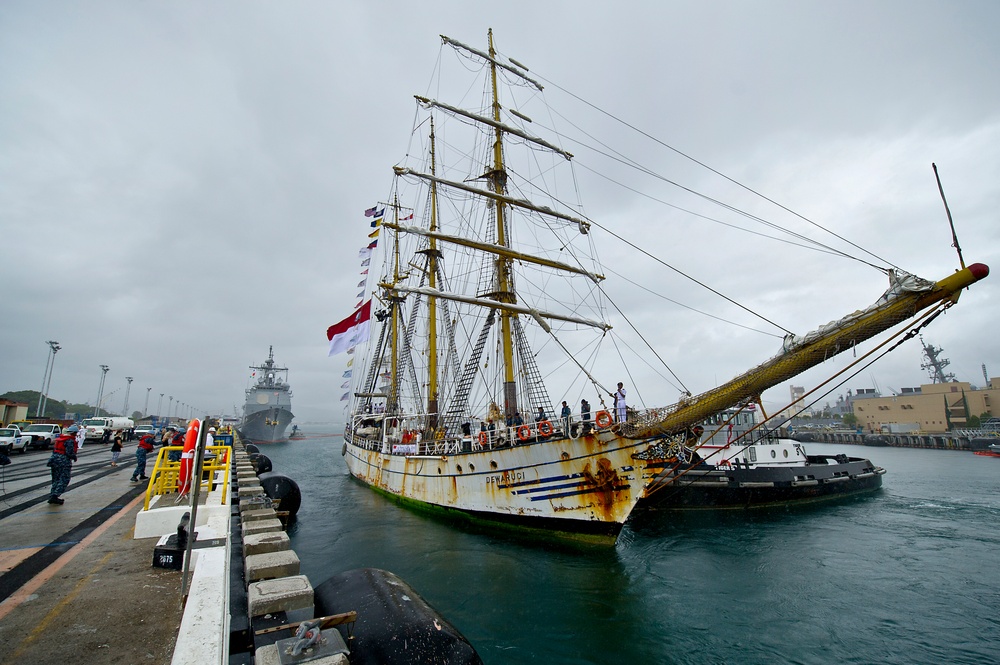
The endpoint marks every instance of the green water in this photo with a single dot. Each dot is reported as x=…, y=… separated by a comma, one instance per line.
x=907, y=575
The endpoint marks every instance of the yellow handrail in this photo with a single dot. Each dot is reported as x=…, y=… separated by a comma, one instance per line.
x=166, y=472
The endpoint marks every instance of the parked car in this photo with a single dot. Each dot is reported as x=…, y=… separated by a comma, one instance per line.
x=142, y=430
x=12, y=440
x=20, y=424
x=42, y=435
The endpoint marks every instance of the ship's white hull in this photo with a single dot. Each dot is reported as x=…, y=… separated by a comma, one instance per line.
x=587, y=485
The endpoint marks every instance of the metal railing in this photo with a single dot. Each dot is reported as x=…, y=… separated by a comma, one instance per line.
x=166, y=472
x=406, y=441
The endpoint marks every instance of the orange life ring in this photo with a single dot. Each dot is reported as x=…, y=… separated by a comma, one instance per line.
x=545, y=428
x=523, y=432
x=187, y=457
x=603, y=419
x=482, y=439
x=723, y=462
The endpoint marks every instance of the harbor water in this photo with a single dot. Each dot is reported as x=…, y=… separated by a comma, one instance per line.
x=906, y=575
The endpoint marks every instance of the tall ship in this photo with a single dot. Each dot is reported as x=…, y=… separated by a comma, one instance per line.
x=268, y=409
x=490, y=300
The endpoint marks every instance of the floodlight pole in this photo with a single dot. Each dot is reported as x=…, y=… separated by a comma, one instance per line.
x=100, y=390
x=128, y=389
x=47, y=377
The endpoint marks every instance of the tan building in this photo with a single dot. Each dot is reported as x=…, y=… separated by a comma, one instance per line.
x=11, y=411
x=934, y=407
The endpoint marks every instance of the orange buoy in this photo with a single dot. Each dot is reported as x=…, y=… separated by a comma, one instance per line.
x=187, y=457
x=545, y=428
x=524, y=432
x=482, y=439
x=603, y=419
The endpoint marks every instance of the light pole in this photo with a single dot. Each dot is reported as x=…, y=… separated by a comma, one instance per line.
x=170, y=407
x=100, y=390
x=47, y=376
x=145, y=408
x=128, y=389
x=158, y=406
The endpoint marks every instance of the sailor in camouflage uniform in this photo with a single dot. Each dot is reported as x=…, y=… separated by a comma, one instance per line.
x=61, y=463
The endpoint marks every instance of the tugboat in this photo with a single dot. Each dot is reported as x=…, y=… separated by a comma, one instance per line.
x=268, y=409
x=491, y=298
x=740, y=464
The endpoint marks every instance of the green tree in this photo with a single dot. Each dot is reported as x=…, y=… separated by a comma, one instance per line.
x=850, y=420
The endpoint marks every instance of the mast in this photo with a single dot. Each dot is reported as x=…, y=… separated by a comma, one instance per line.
x=505, y=291
x=799, y=356
x=432, y=257
x=392, y=405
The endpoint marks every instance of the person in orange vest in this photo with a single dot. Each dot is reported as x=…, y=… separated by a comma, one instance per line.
x=61, y=463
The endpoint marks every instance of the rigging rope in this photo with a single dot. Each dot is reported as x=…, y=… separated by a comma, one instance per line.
x=722, y=175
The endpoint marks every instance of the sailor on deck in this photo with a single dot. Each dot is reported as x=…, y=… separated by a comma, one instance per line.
x=619, y=396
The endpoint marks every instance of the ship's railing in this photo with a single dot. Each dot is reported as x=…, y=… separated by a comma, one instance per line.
x=411, y=441
x=166, y=472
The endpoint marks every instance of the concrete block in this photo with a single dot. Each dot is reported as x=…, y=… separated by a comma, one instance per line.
x=155, y=523
x=259, y=514
x=255, y=503
x=279, y=595
x=270, y=565
x=247, y=492
x=269, y=656
x=261, y=526
x=262, y=543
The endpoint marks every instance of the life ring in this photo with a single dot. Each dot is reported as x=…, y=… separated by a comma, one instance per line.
x=545, y=428
x=603, y=419
x=723, y=462
x=482, y=439
x=523, y=432
x=187, y=457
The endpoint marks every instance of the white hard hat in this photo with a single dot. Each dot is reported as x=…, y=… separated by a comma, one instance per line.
x=211, y=429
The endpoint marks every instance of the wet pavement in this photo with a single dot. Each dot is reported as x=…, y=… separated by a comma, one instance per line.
x=74, y=586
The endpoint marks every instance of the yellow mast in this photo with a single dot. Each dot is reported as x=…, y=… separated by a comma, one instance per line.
x=395, y=299
x=505, y=292
x=432, y=255
x=751, y=384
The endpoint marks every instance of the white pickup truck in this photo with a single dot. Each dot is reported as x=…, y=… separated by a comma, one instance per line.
x=41, y=434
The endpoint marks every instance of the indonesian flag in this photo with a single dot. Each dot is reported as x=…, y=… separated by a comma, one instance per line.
x=352, y=330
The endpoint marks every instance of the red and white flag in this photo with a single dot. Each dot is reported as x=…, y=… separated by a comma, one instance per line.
x=352, y=330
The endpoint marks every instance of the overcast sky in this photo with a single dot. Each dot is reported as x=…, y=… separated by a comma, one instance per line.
x=181, y=183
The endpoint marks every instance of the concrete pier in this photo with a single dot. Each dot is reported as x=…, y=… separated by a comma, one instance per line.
x=74, y=585
x=77, y=581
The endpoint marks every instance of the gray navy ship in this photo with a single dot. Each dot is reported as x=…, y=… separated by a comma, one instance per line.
x=268, y=409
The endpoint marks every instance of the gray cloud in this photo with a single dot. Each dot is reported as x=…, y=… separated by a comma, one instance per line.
x=182, y=185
